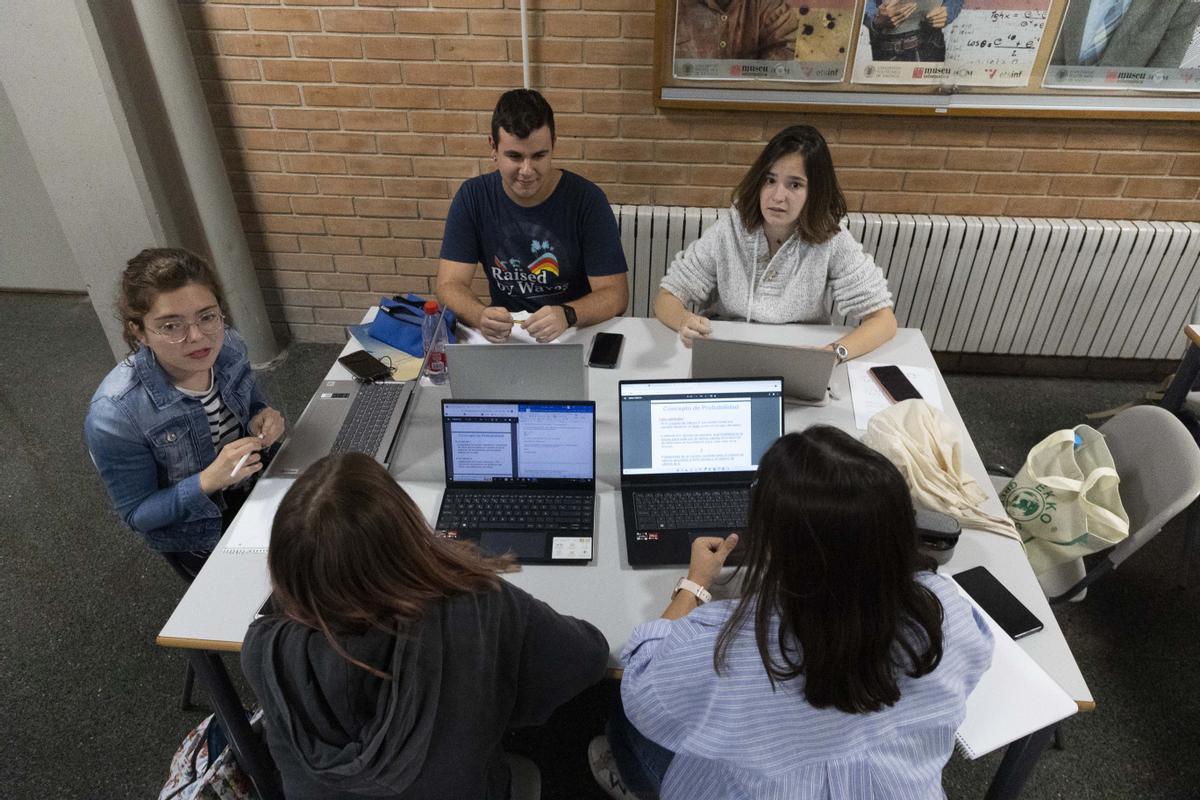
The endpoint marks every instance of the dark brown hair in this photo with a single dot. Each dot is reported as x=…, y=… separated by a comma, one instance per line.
x=830, y=566
x=521, y=112
x=150, y=273
x=350, y=551
x=826, y=205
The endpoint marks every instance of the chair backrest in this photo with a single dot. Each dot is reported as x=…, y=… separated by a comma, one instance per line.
x=1159, y=465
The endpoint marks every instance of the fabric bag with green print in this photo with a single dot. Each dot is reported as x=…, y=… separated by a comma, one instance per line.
x=1066, y=500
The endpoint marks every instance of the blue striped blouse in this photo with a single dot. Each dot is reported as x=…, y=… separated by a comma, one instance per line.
x=736, y=738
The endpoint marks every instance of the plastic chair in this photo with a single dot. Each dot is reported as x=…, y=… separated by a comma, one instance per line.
x=1159, y=465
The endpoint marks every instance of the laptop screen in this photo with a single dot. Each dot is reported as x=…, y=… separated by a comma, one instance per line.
x=519, y=442
x=677, y=427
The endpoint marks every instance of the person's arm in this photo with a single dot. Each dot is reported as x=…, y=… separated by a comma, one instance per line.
x=454, y=292
x=608, y=298
x=126, y=463
x=875, y=329
x=560, y=657
x=708, y=556
x=860, y=290
x=670, y=311
x=777, y=41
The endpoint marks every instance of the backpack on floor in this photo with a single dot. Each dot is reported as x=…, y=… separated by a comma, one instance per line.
x=196, y=776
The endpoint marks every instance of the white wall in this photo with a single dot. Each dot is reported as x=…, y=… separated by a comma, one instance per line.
x=34, y=253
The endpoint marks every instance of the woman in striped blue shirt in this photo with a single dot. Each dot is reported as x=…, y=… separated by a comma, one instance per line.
x=843, y=670
x=169, y=426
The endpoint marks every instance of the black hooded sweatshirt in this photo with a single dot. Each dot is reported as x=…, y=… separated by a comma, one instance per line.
x=472, y=667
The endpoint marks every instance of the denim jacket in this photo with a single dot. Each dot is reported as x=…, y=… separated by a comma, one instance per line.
x=150, y=441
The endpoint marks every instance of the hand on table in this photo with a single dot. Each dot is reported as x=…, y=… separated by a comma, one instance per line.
x=268, y=426
x=708, y=556
x=546, y=324
x=217, y=475
x=693, y=327
x=495, y=323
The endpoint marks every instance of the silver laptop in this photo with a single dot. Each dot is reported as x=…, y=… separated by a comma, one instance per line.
x=805, y=370
x=517, y=371
x=348, y=416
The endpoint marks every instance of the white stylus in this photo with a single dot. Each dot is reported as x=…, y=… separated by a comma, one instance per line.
x=241, y=463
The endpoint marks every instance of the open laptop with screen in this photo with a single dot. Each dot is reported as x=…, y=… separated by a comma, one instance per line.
x=689, y=451
x=515, y=371
x=520, y=477
x=347, y=416
x=805, y=370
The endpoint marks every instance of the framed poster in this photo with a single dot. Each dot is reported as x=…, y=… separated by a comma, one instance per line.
x=1045, y=58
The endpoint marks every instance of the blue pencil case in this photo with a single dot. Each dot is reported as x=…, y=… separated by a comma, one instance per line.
x=398, y=323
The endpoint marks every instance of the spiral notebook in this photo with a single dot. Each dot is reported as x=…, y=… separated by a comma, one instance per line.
x=1014, y=698
x=251, y=528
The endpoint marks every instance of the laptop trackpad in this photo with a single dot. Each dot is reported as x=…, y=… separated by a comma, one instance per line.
x=523, y=544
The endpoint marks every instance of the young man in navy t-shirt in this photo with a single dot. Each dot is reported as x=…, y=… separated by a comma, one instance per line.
x=546, y=237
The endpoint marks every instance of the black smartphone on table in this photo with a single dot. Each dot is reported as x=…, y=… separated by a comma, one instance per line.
x=365, y=367
x=606, y=349
x=1001, y=605
x=894, y=383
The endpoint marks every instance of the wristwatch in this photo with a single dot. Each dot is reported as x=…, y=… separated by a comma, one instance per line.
x=569, y=313
x=701, y=593
x=840, y=352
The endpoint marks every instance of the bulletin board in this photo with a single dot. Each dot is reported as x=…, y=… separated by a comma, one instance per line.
x=1010, y=58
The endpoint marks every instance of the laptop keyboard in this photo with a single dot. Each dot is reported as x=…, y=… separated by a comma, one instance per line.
x=517, y=511
x=367, y=420
x=691, y=509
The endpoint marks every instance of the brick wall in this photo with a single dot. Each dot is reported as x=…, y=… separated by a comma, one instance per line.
x=348, y=125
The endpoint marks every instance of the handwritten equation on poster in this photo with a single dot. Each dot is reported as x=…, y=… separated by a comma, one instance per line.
x=995, y=47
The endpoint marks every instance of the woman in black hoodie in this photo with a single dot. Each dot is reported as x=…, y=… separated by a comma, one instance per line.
x=396, y=661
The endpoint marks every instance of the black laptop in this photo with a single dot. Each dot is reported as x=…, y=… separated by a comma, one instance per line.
x=689, y=451
x=521, y=478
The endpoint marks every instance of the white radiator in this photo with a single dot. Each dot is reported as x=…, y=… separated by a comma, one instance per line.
x=1006, y=285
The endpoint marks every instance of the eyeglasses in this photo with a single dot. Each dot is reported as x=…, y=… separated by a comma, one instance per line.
x=176, y=332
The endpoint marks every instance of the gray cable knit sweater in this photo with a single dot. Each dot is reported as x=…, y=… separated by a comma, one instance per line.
x=794, y=286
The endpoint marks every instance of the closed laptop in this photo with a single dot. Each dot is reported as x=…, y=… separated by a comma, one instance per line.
x=516, y=371
x=805, y=370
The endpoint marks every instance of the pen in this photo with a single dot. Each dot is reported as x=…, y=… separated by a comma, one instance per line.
x=241, y=463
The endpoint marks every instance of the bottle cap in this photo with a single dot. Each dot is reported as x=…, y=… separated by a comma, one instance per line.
x=431, y=307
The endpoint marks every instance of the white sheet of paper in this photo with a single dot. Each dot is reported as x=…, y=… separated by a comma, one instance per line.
x=473, y=336
x=869, y=399
x=252, y=530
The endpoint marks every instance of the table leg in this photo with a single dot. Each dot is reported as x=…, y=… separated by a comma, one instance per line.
x=1185, y=377
x=1018, y=762
x=251, y=752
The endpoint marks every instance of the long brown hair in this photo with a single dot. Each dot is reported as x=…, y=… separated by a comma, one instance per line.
x=350, y=551
x=831, y=567
x=822, y=214
x=150, y=273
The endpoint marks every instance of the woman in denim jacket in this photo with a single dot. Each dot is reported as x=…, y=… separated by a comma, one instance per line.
x=176, y=428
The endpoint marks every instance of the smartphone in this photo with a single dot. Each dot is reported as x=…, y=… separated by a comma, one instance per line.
x=365, y=367
x=894, y=384
x=606, y=348
x=1010, y=614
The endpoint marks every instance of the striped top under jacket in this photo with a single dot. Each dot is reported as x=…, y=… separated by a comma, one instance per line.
x=736, y=738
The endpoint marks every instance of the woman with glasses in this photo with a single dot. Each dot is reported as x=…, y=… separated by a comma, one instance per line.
x=178, y=426
x=842, y=670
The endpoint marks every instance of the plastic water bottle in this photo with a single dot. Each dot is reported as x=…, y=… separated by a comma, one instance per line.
x=434, y=337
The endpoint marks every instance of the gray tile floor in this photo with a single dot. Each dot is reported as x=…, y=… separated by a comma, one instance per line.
x=89, y=704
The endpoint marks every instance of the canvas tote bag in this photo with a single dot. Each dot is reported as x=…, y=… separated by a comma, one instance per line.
x=927, y=449
x=1066, y=503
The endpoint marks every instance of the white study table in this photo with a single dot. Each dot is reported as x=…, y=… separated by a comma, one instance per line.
x=222, y=601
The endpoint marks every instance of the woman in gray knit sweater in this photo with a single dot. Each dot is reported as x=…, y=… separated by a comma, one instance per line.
x=779, y=253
